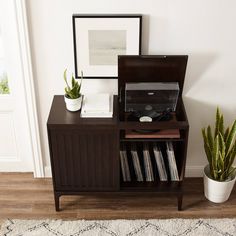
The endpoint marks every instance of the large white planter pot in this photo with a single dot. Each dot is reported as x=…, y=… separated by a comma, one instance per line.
x=73, y=104
x=216, y=191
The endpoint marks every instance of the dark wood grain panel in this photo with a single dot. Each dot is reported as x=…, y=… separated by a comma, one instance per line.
x=86, y=161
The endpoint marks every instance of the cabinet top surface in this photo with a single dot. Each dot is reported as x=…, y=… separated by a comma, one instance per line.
x=59, y=115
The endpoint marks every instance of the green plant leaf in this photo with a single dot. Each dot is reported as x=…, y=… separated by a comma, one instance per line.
x=217, y=123
x=220, y=164
x=64, y=74
x=231, y=172
x=231, y=138
x=208, y=151
x=226, y=134
x=65, y=78
x=215, y=156
x=221, y=125
x=72, y=81
x=209, y=137
x=208, y=154
x=222, y=145
x=216, y=148
x=231, y=157
x=67, y=90
x=228, y=162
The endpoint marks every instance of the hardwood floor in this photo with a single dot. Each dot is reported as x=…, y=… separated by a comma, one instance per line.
x=22, y=196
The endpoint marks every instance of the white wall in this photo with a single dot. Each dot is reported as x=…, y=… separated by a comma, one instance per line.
x=205, y=30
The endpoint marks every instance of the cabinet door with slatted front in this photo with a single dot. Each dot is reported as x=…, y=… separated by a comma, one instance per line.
x=85, y=159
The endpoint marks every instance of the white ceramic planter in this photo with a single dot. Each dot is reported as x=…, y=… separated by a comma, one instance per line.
x=73, y=104
x=216, y=191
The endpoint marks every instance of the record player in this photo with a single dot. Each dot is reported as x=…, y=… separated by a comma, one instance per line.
x=151, y=96
x=150, y=86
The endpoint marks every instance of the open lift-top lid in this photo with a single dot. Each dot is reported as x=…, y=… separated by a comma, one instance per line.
x=151, y=68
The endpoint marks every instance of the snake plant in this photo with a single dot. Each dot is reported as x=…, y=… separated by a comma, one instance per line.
x=72, y=91
x=220, y=148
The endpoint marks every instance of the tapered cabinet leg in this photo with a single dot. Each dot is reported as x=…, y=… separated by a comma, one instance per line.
x=57, y=201
x=180, y=201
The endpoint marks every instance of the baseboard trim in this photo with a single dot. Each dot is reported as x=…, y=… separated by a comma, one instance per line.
x=194, y=171
x=191, y=171
x=48, y=172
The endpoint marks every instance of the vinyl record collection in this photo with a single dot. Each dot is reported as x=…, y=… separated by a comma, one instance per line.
x=148, y=161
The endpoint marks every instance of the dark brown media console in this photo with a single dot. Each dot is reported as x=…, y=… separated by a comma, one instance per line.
x=84, y=152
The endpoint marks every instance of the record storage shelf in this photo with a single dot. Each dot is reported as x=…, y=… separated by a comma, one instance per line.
x=85, y=157
x=167, y=187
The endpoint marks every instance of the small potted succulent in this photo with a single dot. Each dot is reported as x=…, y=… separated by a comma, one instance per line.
x=73, y=97
x=220, y=149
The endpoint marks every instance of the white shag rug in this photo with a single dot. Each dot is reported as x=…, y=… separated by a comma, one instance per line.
x=170, y=227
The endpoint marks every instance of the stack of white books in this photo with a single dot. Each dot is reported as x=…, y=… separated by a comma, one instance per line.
x=97, y=106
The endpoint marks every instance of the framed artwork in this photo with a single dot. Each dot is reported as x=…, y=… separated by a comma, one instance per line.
x=99, y=39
